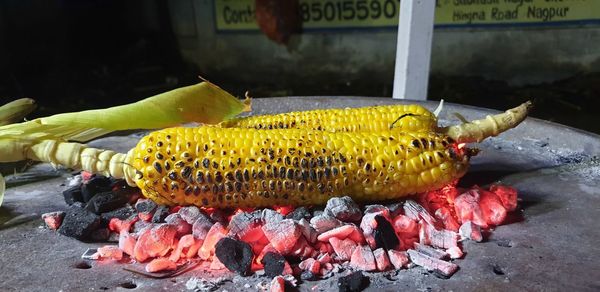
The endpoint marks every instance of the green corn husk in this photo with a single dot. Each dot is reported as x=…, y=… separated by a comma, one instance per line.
x=203, y=103
x=15, y=111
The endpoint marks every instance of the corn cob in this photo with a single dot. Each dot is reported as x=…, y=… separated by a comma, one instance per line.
x=408, y=118
x=217, y=167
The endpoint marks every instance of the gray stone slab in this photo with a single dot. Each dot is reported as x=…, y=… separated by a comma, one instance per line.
x=551, y=245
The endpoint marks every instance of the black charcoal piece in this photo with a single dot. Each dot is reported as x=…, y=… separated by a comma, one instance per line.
x=353, y=283
x=122, y=213
x=73, y=195
x=219, y=216
x=106, y=202
x=235, y=255
x=100, y=235
x=298, y=214
x=160, y=214
x=274, y=264
x=308, y=276
x=97, y=184
x=145, y=206
x=395, y=209
x=384, y=234
x=79, y=223
x=344, y=209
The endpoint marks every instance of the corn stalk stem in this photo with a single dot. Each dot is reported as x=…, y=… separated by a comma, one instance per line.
x=80, y=156
x=490, y=126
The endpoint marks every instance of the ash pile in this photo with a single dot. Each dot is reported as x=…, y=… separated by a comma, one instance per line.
x=286, y=244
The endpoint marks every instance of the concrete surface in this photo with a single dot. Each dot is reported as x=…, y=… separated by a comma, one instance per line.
x=552, y=244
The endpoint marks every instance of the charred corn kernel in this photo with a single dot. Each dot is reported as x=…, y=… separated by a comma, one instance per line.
x=233, y=167
x=374, y=118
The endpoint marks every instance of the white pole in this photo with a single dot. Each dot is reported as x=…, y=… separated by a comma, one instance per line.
x=413, y=52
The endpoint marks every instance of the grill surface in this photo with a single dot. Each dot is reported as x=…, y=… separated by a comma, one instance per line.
x=553, y=244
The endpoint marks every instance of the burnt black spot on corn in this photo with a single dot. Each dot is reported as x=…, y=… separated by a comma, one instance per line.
x=326, y=164
x=375, y=118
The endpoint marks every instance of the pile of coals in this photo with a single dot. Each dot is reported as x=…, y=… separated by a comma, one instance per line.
x=287, y=243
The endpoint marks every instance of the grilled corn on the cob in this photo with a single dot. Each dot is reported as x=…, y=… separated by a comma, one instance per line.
x=209, y=166
x=408, y=118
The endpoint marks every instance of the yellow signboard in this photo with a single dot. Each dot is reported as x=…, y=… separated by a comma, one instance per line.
x=238, y=15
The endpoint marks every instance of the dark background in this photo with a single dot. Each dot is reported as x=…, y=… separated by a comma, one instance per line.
x=72, y=55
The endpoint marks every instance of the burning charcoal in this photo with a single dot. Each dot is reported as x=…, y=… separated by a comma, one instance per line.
x=432, y=264
x=437, y=238
x=310, y=265
x=467, y=208
x=100, y=235
x=343, y=248
x=216, y=264
x=507, y=195
x=308, y=231
x=382, y=261
x=245, y=226
x=308, y=276
x=140, y=225
x=160, y=214
x=398, y=259
x=201, y=227
x=159, y=265
x=181, y=225
x=53, y=219
x=122, y=213
x=326, y=269
x=339, y=232
x=443, y=238
x=189, y=214
x=110, y=252
x=471, y=231
x=277, y=284
x=395, y=209
x=384, y=234
x=444, y=215
x=216, y=232
x=274, y=264
x=298, y=214
x=145, y=207
x=127, y=242
x=363, y=259
x=270, y=216
x=416, y=212
x=106, y=202
x=492, y=208
x=283, y=234
x=432, y=252
x=95, y=185
x=405, y=225
x=73, y=194
x=344, y=209
x=455, y=252
x=218, y=215
x=75, y=180
x=354, y=282
x=235, y=255
x=376, y=209
x=155, y=242
x=324, y=223
x=324, y=258
x=79, y=223
x=187, y=247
